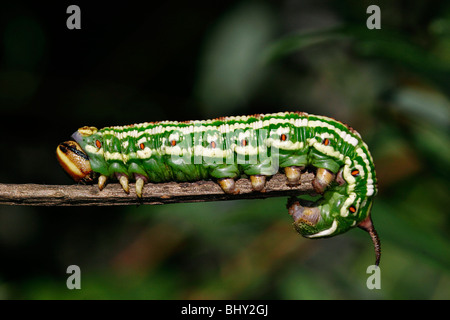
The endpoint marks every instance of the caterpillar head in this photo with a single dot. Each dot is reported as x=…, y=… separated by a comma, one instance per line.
x=74, y=161
x=74, y=158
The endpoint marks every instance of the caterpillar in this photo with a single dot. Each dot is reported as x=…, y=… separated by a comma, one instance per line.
x=226, y=148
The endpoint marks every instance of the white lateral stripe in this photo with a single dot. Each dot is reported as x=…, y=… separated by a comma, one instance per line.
x=326, y=232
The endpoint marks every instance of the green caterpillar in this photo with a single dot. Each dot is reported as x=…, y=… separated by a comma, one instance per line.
x=257, y=146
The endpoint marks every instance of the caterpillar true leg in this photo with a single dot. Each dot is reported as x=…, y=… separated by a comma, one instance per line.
x=140, y=182
x=102, y=179
x=123, y=180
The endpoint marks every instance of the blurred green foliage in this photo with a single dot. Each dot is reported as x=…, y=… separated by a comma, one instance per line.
x=176, y=62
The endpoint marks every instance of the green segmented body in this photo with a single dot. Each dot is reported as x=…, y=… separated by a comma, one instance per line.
x=252, y=145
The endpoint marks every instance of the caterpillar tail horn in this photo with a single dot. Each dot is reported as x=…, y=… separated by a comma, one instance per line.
x=367, y=225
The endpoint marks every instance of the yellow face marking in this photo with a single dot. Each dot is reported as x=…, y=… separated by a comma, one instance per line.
x=78, y=167
x=68, y=165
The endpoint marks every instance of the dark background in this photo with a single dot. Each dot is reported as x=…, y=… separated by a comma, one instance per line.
x=184, y=60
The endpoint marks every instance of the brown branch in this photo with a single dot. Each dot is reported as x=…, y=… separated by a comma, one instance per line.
x=154, y=193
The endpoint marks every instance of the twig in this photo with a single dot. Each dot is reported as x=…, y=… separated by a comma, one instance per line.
x=154, y=193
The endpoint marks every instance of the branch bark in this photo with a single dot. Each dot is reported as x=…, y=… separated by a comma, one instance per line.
x=154, y=193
